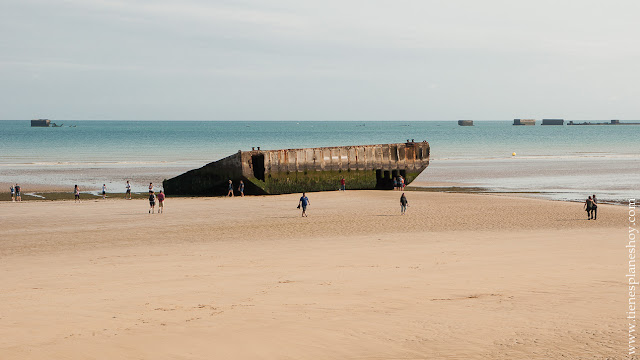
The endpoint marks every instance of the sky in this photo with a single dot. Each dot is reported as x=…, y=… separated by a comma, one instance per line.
x=319, y=60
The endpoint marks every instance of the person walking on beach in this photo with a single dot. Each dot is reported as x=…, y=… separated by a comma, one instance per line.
x=230, y=192
x=150, y=188
x=18, y=190
x=13, y=194
x=104, y=191
x=160, y=202
x=588, y=206
x=304, y=202
x=152, y=202
x=395, y=183
x=594, y=207
x=76, y=194
x=402, y=183
x=128, y=193
x=343, y=185
x=403, y=204
x=241, y=188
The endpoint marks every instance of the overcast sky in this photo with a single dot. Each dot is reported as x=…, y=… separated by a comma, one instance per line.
x=321, y=60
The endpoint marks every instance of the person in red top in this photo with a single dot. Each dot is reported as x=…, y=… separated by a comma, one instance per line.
x=343, y=186
x=160, y=202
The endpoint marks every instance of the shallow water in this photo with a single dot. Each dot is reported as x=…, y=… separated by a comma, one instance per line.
x=561, y=162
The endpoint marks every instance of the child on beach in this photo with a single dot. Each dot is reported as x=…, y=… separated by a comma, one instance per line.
x=160, y=202
x=13, y=194
x=104, y=191
x=127, y=195
x=76, y=194
x=152, y=202
x=403, y=204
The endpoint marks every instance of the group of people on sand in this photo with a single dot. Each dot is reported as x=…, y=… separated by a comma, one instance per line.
x=240, y=188
x=398, y=183
x=16, y=194
x=591, y=207
x=153, y=198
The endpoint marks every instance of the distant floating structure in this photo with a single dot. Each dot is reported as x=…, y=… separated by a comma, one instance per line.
x=312, y=169
x=613, y=122
x=465, y=122
x=524, y=121
x=552, y=121
x=40, y=123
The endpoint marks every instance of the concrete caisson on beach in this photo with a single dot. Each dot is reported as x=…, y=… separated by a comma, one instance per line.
x=310, y=169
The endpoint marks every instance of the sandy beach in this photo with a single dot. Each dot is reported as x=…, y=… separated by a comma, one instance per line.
x=461, y=276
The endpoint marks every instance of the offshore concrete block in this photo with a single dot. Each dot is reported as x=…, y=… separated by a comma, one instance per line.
x=524, y=121
x=552, y=121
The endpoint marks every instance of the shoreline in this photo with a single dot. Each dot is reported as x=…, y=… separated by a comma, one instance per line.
x=52, y=195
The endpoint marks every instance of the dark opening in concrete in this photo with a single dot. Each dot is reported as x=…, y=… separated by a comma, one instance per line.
x=257, y=163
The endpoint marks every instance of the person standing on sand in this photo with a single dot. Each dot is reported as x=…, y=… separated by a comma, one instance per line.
x=241, y=188
x=594, y=207
x=160, y=202
x=13, y=194
x=230, y=192
x=304, y=201
x=17, y=189
x=128, y=193
x=152, y=202
x=150, y=188
x=402, y=185
x=343, y=185
x=104, y=191
x=76, y=194
x=403, y=204
x=395, y=183
x=588, y=206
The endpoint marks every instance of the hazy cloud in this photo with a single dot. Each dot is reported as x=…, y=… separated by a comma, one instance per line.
x=329, y=60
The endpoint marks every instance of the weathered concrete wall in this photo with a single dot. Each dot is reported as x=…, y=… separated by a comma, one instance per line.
x=552, y=121
x=524, y=121
x=310, y=169
x=465, y=122
x=40, y=122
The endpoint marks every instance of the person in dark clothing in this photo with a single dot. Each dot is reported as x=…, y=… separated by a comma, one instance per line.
x=304, y=201
x=588, y=206
x=594, y=207
x=403, y=204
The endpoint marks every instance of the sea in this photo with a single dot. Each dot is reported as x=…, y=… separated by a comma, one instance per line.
x=553, y=162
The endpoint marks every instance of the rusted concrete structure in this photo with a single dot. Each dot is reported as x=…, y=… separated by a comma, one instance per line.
x=312, y=169
x=40, y=123
x=552, y=121
x=524, y=121
x=465, y=122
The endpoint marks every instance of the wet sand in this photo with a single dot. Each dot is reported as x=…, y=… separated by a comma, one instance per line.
x=460, y=276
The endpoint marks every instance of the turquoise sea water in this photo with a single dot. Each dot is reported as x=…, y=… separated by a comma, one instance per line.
x=557, y=160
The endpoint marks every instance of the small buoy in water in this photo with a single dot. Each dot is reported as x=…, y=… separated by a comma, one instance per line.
x=513, y=154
